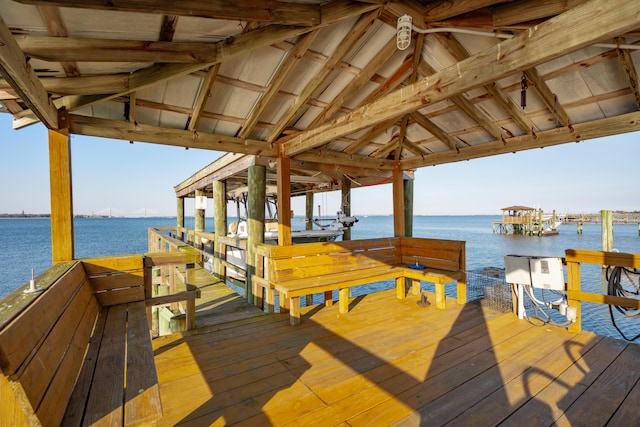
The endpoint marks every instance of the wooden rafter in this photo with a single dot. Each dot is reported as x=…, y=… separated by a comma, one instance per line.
x=417, y=59
x=354, y=35
x=372, y=134
x=266, y=36
x=558, y=36
x=630, y=69
x=434, y=130
x=202, y=97
x=460, y=53
x=270, y=11
x=548, y=97
x=15, y=68
x=56, y=28
x=284, y=72
x=357, y=83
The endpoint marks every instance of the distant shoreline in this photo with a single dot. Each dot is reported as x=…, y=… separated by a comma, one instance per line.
x=24, y=215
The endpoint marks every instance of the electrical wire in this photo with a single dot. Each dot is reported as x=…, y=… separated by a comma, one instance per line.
x=541, y=307
x=616, y=288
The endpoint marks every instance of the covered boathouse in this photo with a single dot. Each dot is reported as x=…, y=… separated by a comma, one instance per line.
x=349, y=91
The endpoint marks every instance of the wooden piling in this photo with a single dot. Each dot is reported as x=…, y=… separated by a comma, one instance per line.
x=408, y=207
x=607, y=230
x=309, y=211
x=220, y=225
x=346, y=204
x=179, y=217
x=198, y=219
x=255, y=221
x=398, y=202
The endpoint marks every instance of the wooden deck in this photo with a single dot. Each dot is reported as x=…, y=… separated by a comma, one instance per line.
x=392, y=362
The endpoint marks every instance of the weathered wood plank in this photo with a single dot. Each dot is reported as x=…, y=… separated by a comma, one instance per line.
x=142, y=395
x=32, y=326
x=104, y=405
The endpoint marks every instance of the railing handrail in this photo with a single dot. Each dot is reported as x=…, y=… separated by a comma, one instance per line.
x=575, y=295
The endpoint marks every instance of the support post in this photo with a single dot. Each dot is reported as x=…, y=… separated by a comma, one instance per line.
x=179, y=217
x=220, y=226
x=62, y=245
x=408, y=208
x=398, y=202
x=284, y=201
x=607, y=231
x=309, y=211
x=198, y=225
x=255, y=221
x=190, y=309
x=345, y=184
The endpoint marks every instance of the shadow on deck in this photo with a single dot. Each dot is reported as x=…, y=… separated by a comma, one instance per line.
x=392, y=362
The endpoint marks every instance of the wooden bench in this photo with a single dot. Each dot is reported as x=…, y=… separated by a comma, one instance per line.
x=302, y=270
x=79, y=353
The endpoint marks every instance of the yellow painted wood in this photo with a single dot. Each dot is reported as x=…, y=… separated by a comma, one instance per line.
x=62, y=245
x=343, y=302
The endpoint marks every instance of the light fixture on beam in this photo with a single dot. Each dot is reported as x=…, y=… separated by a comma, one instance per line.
x=403, y=32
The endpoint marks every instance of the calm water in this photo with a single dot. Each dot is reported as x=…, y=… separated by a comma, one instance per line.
x=26, y=244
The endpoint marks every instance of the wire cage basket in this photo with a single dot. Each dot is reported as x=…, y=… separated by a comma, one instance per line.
x=488, y=286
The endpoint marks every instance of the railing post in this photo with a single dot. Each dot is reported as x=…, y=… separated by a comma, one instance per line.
x=573, y=285
x=190, y=278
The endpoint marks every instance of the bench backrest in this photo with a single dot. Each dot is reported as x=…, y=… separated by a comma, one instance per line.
x=448, y=255
x=317, y=259
x=42, y=349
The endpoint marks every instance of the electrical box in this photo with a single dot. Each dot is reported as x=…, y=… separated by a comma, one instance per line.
x=517, y=269
x=547, y=273
x=538, y=272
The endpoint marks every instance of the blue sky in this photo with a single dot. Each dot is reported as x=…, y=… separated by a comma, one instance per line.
x=130, y=179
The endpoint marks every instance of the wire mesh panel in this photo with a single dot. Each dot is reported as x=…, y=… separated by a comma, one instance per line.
x=489, y=287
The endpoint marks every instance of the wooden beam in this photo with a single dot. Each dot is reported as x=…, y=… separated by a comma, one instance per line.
x=269, y=11
x=60, y=49
x=529, y=10
x=105, y=128
x=62, y=241
x=15, y=68
x=443, y=9
x=556, y=37
x=626, y=61
x=577, y=132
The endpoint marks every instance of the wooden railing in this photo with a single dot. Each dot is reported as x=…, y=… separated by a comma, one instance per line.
x=575, y=257
x=204, y=242
x=169, y=254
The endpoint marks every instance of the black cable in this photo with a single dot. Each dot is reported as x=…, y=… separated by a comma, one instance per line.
x=615, y=288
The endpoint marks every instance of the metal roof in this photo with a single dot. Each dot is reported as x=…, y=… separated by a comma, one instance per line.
x=323, y=82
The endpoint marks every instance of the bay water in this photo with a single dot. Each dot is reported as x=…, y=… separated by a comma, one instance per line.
x=25, y=244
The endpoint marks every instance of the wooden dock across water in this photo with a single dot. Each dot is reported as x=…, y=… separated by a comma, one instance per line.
x=392, y=362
